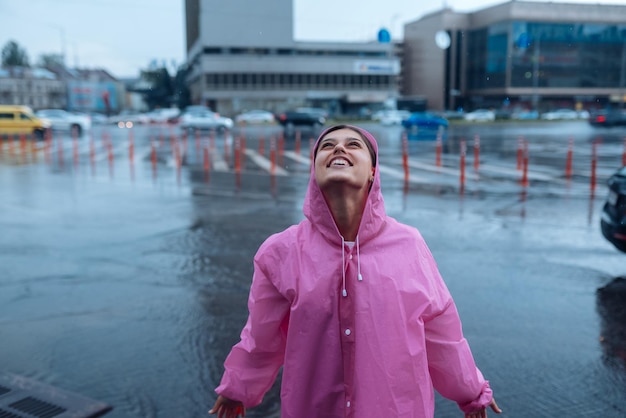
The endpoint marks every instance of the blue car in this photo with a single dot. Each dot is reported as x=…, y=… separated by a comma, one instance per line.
x=424, y=125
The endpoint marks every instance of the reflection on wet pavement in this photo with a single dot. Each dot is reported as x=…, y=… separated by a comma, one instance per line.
x=128, y=283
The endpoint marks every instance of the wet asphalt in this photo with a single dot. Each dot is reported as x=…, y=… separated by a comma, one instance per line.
x=124, y=269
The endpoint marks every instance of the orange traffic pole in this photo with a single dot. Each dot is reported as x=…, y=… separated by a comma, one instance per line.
x=33, y=148
x=23, y=149
x=311, y=149
x=520, y=152
x=197, y=138
x=405, y=157
x=60, y=152
x=297, y=144
x=570, y=156
x=525, y=165
x=462, y=166
x=272, y=155
x=226, y=150
x=261, y=146
x=281, y=146
x=207, y=166
x=131, y=146
x=109, y=146
x=237, y=155
x=75, y=149
x=46, y=146
x=177, y=158
x=476, y=153
x=243, y=151
x=92, y=155
x=438, y=147
x=594, y=161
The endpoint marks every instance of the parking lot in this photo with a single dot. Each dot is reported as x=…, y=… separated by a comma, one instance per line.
x=126, y=256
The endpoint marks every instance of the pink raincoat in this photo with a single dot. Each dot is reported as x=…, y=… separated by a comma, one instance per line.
x=361, y=331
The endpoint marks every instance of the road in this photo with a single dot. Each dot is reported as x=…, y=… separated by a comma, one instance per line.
x=126, y=257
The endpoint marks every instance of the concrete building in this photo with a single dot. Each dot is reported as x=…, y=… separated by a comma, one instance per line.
x=37, y=88
x=519, y=54
x=242, y=55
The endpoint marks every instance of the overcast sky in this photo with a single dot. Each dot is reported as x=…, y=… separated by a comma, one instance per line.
x=124, y=36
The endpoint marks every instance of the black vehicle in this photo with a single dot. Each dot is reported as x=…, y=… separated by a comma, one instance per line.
x=611, y=117
x=613, y=219
x=292, y=118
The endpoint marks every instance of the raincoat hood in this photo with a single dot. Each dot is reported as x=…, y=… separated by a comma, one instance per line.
x=318, y=213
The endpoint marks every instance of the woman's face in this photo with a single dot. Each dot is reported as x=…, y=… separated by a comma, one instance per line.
x=343, y=159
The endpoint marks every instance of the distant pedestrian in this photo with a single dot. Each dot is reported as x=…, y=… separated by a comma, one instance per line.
x=351, y=305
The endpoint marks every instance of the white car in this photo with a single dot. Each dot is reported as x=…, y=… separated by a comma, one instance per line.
x=65, y=121
x=205, y=120
x=480, y=115
x=560, y=114
x=255, y=116
x=393, y=117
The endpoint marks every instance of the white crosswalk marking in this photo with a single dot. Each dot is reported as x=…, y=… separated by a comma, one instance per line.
x=297, y=157
x=264, y=163
x=217, y=162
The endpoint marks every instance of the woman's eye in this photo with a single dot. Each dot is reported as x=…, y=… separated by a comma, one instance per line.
x=326, y=145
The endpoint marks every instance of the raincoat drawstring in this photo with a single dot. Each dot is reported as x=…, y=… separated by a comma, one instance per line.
x=344, y=292
x=358, y=260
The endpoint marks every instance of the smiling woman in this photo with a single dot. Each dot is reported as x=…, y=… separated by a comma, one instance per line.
x=346, y=299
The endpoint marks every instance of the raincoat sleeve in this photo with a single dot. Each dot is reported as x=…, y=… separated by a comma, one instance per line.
x=253, y=364
x=451, y=364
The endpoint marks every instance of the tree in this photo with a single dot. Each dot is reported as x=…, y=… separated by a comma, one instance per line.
x=51, y=61
x=14, y=55
x=161, y=90
x=182, y=95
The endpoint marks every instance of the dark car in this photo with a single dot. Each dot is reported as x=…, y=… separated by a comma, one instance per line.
x=424, y=125
x=293, y=118
x=613, y=218
x=612, y=117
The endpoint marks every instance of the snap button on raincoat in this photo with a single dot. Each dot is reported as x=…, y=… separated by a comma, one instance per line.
x=364, y=330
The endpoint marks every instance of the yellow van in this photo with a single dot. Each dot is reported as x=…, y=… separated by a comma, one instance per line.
x=21, y=120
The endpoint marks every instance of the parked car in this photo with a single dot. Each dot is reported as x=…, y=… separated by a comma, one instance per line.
x=205, y=120
x=164, y=115
x=65, y=121
x=424, y=120
x=391, y=117
x=525, y=115
x=129, y=118
x=613, y=217
x=255, y=116
x=560, y=114
x=318, y=111
x=293, y=118
x=17, y=120
x=481, y=115
x=608, y=118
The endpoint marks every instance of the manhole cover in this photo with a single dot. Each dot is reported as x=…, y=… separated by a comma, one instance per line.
x=21, y=397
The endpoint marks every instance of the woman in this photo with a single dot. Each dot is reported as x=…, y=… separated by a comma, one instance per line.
x=351, y=304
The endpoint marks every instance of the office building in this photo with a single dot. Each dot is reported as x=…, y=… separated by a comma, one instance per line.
x=242, y=55
x=519, y=54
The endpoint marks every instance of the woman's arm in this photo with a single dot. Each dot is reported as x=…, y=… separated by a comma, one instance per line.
x=253, y=363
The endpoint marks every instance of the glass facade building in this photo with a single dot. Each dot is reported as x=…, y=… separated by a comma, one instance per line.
x=535, y=55
x=546, y=55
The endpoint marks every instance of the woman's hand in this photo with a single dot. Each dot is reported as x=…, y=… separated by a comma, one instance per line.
x=482, y=413
x=227, y=408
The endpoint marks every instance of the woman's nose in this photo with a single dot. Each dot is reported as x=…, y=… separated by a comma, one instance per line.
x=339, y=146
